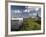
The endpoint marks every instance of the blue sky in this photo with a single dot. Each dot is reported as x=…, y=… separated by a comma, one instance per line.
x=25, y=11
x=17, y=7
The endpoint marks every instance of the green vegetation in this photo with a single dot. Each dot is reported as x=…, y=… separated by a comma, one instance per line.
x=30, y=24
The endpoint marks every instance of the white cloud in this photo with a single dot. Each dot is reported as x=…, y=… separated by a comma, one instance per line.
x=31, y=9
x=34, y=13
x=16, y=11
x=28, y=9
x=36, y=9
x=25, y=10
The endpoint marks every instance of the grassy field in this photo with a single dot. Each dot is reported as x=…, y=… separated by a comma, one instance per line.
x=31, y=24
x=28, y=25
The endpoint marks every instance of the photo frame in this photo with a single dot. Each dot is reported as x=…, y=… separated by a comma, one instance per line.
x=26, y=18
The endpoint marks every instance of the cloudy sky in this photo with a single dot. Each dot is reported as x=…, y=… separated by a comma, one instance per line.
x=25, y=11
